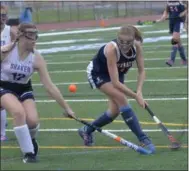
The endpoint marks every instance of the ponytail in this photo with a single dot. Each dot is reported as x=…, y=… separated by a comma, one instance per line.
x=138, y=34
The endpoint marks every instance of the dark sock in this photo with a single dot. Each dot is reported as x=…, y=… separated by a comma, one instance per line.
x=132, y=121
x=182, y=53
x=174, y=52
x=103, y=120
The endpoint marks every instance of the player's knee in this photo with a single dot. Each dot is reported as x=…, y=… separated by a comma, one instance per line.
x=19, y=116
x=174, y=41
x=114, y=112
x=32, y=124
x=120, y=99
x=32, y=120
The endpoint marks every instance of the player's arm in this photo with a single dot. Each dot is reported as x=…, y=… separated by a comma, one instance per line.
x=41, y=66
x=164, y=16
x=184, y=13
x=140, y=64
x=13, y=34
x=5, y=49
x=111, y=56
x=3, y=55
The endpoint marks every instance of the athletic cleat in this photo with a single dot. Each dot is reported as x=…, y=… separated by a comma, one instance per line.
x=184, y=62
x=3, y=138
x=170, y=62
x=29, y=158
x=146, y=143
x=87, y=138
x=35, y=146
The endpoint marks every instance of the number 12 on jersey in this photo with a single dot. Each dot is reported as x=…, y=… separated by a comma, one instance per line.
x=17, y=76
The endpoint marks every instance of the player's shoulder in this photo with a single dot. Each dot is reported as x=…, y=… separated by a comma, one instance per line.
x=7, y=27
x=38, y=56
x=137, y=43
x=110, y=47
x=37, y=53
x=112, y=44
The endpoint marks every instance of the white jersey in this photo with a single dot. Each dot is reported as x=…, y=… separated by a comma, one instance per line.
x=14, y=70
x=6, y=35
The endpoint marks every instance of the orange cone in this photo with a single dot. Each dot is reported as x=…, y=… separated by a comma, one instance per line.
x=103, y=23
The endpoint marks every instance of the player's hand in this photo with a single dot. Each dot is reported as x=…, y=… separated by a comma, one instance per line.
x=69, y=113
x=140, y=100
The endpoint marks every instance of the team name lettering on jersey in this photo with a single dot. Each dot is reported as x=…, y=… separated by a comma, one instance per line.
x=15, y=70
x=22, y=68
x=124, y=67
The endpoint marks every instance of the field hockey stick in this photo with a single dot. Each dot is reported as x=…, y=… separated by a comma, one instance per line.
x=168, y=18
x=174, y=143
x=149, y=22
x=115, y=137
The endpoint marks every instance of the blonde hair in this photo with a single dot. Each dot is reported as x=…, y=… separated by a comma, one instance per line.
x=22, y=29
x=130, y=30
x=25, y=27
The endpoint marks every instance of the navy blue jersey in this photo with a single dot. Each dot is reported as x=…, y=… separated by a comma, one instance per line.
x=174, y=8
x=124, y=62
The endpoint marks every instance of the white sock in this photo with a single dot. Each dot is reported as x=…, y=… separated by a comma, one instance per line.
x=24, y=139
x=3, y=122
x=34, y=131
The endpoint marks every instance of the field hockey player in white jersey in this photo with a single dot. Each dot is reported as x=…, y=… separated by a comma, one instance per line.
x=18, y=62
x=7, y=35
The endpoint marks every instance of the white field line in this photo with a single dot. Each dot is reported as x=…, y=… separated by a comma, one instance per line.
x=110, y=130
x=158, y=45
x=128, y=81
x=92, y=54
x=152, y=32
x=77, y=71
x=104, y=100
x=61, y=63
x=70, y=55
x=82, y=62
x=83, y=47
x=99, y=30
x=67, y=41
x=84, y=31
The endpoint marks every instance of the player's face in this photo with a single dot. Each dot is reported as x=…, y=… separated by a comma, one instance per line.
x=30, y=39
x=125, y=43
x=3, y=17
x=31, y=36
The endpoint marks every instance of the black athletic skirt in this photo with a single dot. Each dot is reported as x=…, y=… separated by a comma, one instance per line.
x=21, y=91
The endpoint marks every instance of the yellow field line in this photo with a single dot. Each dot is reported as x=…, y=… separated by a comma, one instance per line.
x=82, y=147
x=115, y=121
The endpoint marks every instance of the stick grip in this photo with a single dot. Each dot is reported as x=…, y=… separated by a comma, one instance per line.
x=149, y=110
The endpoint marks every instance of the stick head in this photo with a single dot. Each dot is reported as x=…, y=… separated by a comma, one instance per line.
x=175, y=146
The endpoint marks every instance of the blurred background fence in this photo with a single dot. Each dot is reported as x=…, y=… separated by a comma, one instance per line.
x=64, y=11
